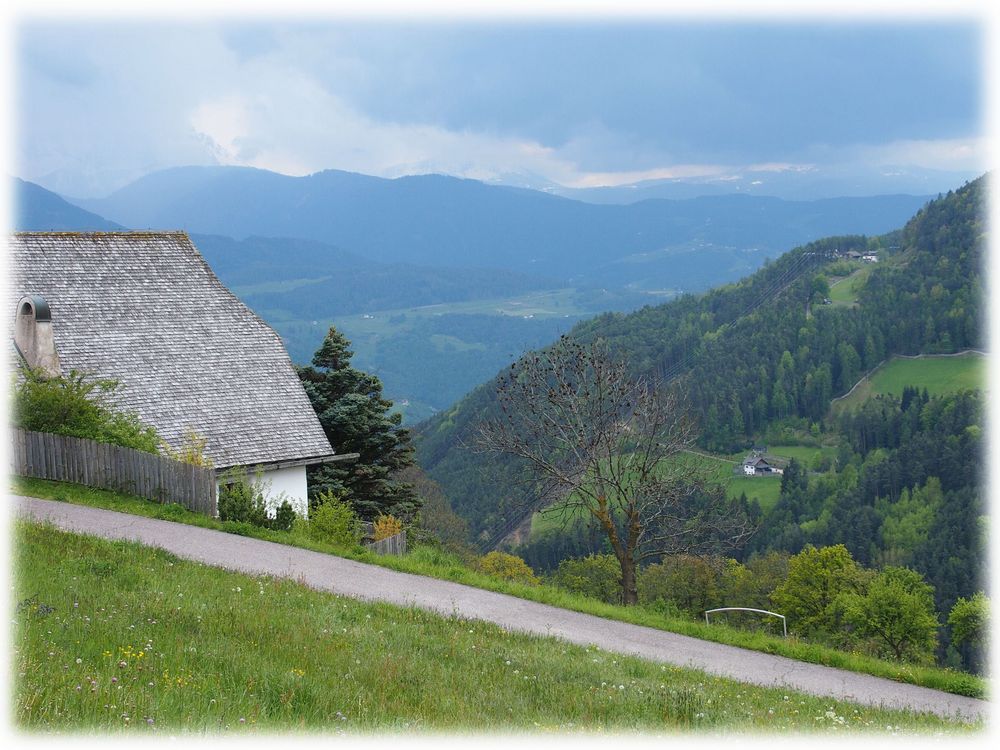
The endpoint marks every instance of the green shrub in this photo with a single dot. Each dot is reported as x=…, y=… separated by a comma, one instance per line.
x=506, y=567
x=667, y=609
x=812, y=595
x=897, y=614
x=690, y=582
x=77, y=405
x=284, y=517
x=969, y=621
x=241, y=499
x=597, y=576
x=334, y=521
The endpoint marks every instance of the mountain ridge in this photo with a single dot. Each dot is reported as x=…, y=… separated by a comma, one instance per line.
x=442, y=220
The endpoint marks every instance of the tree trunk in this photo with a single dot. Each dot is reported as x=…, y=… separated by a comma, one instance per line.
x=630, y=592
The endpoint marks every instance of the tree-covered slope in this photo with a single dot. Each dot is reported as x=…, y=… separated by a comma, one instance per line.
x=766, y=350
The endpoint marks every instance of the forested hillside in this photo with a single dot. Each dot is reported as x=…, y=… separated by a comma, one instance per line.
x=760, y=361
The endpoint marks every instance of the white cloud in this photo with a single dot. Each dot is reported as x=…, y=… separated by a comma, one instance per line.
x=957, y=154
x=185, y=95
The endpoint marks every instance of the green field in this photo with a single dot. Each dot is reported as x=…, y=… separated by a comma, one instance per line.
x=804, y=454
x=845, y=291
x=118, y=638
x=765, y=489
x=938, y=374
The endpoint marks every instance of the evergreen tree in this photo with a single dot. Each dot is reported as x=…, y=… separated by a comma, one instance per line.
x=356, y=419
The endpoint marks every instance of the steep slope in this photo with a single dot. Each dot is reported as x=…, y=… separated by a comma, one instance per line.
x=765, y=350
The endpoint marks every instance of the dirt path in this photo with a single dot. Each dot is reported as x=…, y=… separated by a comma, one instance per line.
x=350, y=578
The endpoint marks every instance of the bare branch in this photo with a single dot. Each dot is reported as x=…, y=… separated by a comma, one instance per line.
x=595, y=439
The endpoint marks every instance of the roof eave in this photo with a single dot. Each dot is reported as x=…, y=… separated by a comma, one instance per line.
x=291, y=463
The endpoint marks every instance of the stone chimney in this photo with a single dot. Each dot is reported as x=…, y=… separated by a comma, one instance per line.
x=33, y=335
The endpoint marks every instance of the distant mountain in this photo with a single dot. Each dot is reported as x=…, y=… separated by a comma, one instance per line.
x=257, y=260
x=445, y=221
x=790, y=184
x=37, y=209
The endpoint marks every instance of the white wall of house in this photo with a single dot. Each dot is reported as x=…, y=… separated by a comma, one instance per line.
x=290, y=481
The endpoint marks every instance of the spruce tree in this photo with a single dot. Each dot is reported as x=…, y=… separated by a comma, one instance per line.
x=357, y=419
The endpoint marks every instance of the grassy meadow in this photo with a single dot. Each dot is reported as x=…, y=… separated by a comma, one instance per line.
x=118, y=638
x=765, y=489
x=938, y=374
x=437, y=563
x=844, y=291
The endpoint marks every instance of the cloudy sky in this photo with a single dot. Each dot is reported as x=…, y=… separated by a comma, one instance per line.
x=575, y=102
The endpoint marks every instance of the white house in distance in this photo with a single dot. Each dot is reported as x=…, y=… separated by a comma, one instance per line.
x=756, y=465
x=145, y=309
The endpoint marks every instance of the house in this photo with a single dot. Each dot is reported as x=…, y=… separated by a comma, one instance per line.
x=756, y=465
x=852, y=255
x=869, y=258
x=145, y=309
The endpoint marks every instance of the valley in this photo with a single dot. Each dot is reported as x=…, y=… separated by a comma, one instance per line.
x=758, y=357
x=503, y=272
x=590, y=372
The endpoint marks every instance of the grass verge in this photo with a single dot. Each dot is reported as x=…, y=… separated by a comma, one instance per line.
x=438, y=564
x=116, y=637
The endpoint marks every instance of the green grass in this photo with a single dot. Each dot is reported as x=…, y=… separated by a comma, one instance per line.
x=765, y=489
x=845, y=291
x=938, y=374
x=118, y=638
x=804, y=454
x=438, y=564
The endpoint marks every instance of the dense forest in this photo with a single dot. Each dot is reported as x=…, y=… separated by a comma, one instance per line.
x=764, y=358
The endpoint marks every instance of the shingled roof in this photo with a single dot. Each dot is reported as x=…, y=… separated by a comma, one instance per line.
x=145, y=308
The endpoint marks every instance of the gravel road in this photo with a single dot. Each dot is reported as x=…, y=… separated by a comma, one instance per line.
x=350, y=578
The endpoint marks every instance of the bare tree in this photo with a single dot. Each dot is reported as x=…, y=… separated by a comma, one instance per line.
x=597, y=440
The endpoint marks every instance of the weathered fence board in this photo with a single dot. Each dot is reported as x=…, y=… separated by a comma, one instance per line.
x=111, y=467
x=393, y=545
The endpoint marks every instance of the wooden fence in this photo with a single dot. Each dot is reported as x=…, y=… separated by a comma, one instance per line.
x=67, y=459
x=393, y=545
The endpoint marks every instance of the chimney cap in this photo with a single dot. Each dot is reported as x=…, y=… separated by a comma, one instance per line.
x=37, y=307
